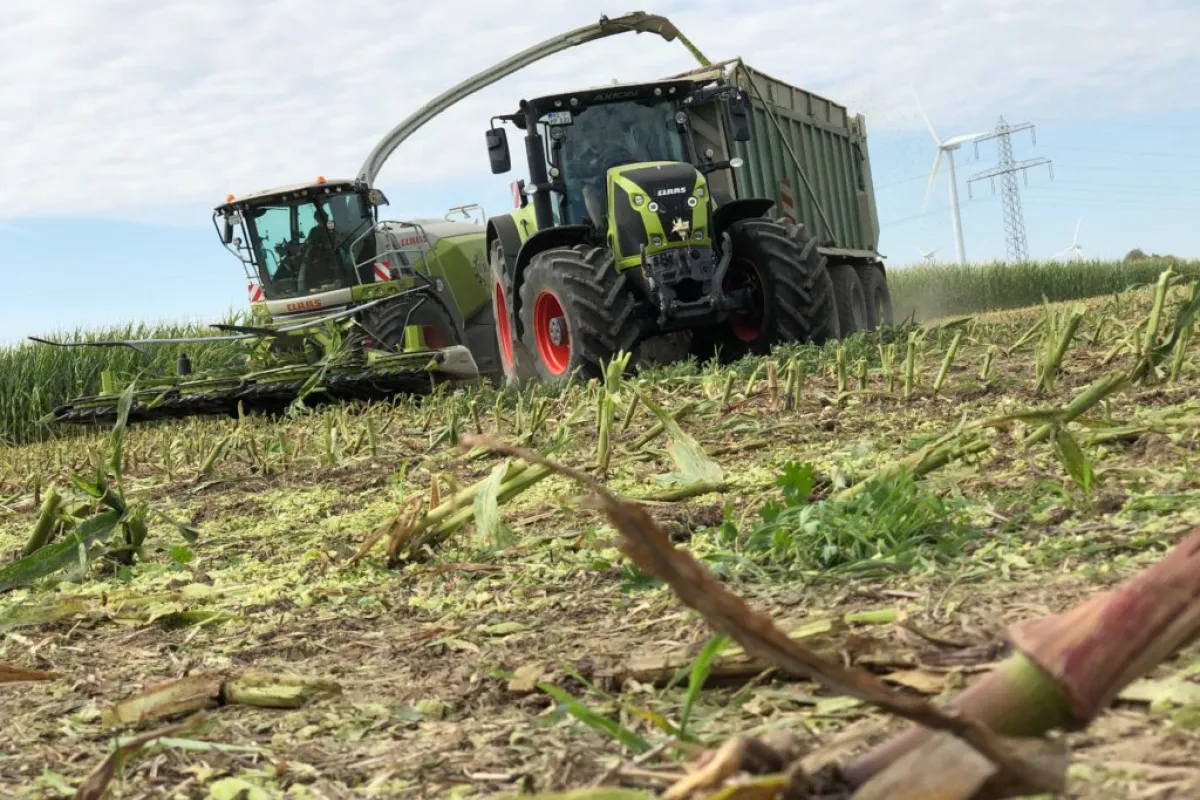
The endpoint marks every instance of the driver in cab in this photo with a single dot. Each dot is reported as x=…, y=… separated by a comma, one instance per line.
x=606, y=145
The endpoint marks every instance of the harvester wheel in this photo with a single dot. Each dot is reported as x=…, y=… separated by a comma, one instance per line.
x=879, y=298
x=792, y=295
x=388, y=322
x=515, y=359
x=851, y=299
x=577, y=311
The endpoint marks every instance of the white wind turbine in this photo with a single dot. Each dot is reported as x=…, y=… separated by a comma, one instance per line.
x=927, y=257
x=947, y=147
x=1074, y=252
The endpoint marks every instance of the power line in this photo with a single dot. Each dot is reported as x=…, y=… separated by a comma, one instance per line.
x=927, y=213
x=1015, y=241
x=1113, y=152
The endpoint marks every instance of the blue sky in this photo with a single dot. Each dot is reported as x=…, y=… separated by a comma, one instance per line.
x=116, y=149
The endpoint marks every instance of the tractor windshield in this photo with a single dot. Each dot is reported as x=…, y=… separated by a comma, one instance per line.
x=310, y=245
x=607, y=135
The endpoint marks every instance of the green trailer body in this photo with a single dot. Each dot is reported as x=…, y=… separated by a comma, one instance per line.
x=807, y=153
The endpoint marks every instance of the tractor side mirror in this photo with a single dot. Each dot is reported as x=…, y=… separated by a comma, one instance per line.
x=739, y=117
x=227, y=236
x=497, y=145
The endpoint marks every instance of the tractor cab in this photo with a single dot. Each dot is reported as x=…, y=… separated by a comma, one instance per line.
x=305, y=239
x=574, y=139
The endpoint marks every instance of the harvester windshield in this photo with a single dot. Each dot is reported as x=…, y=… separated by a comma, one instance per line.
x=306, y=245
x=600, y=134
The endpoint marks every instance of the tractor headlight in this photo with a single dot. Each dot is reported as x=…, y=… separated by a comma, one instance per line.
x=691, y=201
x=653, y=206
x=656, y=240
x=699, y=191
x=698, y=234
x=638, y=199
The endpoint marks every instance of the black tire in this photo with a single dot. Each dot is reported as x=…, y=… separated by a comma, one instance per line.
x=878, y=296
x=850, y=298
x=386, y=323
x=595, y=306
x=826, y=325
x=792, y=290
x=516, y=362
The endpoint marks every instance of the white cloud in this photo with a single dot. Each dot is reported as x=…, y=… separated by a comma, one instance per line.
x=120, y=107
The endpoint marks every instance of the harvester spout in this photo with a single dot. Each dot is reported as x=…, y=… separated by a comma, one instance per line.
x=636, y=21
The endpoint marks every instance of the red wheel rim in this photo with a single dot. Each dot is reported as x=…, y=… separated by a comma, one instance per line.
x=746, y=327
x=503, y=331
x=549, y=321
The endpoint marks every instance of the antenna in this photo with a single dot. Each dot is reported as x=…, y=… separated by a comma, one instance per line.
x=1006, y=171
x=947, y=147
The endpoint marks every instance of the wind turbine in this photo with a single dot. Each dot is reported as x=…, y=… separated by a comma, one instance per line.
x=1075, y=251
x=928, y=257
x=947, y=147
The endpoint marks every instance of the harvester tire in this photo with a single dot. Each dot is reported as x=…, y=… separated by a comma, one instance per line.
x=851, y=299
x=577, y=312
x=515, y=359
x=879, y=297
x=792, y=291
x=388, y=321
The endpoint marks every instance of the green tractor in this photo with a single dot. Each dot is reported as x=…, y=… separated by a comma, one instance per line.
x=628, y=237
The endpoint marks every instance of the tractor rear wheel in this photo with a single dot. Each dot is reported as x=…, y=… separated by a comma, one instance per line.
x=387, y=323
x=879, y=297
x=792, y=298
x=515, y=360
x=577, y=312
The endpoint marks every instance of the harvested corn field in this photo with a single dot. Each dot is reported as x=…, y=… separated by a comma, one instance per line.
x=374, y=602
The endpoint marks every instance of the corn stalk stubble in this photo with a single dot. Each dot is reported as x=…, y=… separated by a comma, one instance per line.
x=650, y=548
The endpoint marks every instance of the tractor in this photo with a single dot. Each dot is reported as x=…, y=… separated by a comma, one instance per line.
x=626, y=235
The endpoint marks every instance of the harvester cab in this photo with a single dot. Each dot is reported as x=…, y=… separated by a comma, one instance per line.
x=312, y=248
x=301, y=241
x=628, y=230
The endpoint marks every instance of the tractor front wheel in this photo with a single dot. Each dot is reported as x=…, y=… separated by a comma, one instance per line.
x=577, y=312
x=515, y=359
x=791, y=297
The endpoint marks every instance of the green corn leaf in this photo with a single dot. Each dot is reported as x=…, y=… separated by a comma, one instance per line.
x=487, y=508
x=50, y=559
x=189, y=533
x=695, y=466
x=595, y=721
x=701, y=669
x=1074, y=460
